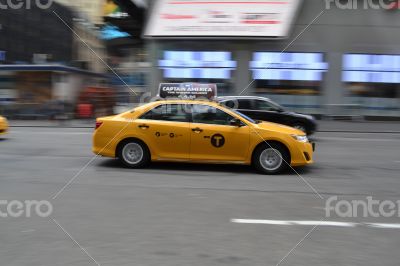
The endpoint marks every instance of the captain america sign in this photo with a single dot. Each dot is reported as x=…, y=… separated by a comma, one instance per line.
x=187, y=91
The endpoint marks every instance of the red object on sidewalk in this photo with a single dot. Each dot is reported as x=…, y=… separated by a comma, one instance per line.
x=85, y=110
x=394, y=5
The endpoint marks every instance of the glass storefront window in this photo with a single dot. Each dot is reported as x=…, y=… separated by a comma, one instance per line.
x=372, y=82
x=291, y=79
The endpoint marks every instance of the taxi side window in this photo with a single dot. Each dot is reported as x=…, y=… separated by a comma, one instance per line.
x=168, y=112
x=205, y=114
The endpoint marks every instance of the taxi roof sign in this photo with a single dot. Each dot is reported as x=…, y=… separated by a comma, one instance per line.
x=187, y=91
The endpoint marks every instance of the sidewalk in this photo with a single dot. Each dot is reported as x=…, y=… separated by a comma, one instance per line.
x=88, y=123
x=323, y=125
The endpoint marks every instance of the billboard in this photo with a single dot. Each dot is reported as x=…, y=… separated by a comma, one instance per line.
x=288, y=66
x=221, y=18
x=371, y=68
x=110, y=32
x=197, y=64
x=187, y=91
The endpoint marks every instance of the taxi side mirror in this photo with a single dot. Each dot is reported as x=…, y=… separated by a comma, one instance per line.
x=235, y=122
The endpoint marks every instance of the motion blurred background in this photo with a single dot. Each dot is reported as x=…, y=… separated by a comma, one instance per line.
x=88, y=58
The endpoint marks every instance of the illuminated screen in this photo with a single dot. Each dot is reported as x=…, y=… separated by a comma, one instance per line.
x=288, y=66
x=221, y=18
x=197, y=64
x=371, y=68
x=109, y=32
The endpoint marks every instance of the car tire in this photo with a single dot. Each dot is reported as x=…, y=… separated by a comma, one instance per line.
x=271, y=158
x=133, y=154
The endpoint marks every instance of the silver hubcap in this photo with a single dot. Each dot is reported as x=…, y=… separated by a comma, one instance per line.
x=132, y=153
x=271, y=159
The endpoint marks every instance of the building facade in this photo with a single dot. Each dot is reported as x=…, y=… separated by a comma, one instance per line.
x=88, y=47
x=335, y=61
x=35, y=34
x=92, y=9
x=47, y=54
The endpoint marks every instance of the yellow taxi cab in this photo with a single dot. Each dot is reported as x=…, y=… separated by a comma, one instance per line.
x=202, y=132
x=3, y=125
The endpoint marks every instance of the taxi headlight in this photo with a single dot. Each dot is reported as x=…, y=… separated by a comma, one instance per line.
x=300, y=138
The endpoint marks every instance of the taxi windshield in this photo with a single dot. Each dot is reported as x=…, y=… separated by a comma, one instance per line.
x=244, y=116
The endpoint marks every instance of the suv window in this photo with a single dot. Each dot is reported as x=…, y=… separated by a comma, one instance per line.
x=230, y=104
x=245, y=104
x=168, y=112
x=264, y=105
x=210, y=115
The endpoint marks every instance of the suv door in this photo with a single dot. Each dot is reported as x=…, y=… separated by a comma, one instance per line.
x=166, y=130
x=266, y=111
x=214, y=139
x=245, y=106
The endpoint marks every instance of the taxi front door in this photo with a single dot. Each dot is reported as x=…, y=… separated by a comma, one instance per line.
x=214, y=139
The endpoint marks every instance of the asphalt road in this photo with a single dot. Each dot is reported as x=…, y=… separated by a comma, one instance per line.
x=181, y=214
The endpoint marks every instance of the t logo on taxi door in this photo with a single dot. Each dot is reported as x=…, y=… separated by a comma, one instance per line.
x=217, y=140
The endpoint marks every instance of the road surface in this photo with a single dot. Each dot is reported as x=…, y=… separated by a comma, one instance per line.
x=197, y=215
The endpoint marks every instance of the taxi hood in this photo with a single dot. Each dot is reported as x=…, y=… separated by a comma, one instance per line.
x=279, y=128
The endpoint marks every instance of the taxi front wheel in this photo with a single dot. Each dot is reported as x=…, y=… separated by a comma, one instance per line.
x=133, y=154
x=271, y=158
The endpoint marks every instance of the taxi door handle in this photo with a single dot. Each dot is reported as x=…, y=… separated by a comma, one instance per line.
x=197, y=130
x=144, y=126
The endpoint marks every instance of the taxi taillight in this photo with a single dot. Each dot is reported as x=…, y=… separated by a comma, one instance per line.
x=98, y=124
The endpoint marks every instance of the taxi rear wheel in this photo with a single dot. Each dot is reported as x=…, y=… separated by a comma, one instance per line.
x=271, y=158
x=133, y=154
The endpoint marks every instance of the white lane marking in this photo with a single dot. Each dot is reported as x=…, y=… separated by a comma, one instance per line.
x=325, y=223
x=250, y=221
x=319, y=223
x=383, y=226
x=279, y=222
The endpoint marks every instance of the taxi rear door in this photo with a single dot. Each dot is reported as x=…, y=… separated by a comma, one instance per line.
x=166, y=130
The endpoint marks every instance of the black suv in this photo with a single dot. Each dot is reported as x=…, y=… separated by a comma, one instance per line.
x=260, y=108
